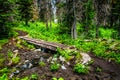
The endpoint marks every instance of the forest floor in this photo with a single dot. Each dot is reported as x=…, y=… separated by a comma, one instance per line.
x=100, y=69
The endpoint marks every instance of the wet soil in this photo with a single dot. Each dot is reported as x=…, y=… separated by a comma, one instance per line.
x=108, y=70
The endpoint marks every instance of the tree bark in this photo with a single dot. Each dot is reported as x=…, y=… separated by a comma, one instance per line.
x=73, y=28
x=97, y=30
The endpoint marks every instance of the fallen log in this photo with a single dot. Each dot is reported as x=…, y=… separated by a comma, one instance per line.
x=44, y=44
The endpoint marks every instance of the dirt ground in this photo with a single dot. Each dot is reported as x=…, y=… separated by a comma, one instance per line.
x=108, y=70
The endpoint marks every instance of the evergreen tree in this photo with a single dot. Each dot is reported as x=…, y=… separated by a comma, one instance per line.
x=25, y=10
x=5, y=17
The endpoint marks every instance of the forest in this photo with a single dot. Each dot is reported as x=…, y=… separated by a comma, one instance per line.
x=59, y=40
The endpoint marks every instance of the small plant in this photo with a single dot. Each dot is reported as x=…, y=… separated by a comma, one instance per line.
x=2, y=59
x=65, y=53
x=25, y=78
x=54, y=78
x=16, y=59
x=4, y=70
x=91, y=62
x=98, y=69
x=4, y=77
x=34, y=77
x=29, y=46
x=10, y=54
x=60, y=78
x=80, y=68
x=54, y=66
x=3, y=42
x=18, y=44
x=41, y=63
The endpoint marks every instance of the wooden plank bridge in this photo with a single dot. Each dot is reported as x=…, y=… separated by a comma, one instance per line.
x=53, y=46
x=41, y=43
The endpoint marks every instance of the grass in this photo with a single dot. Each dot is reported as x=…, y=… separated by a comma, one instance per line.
x=104, y=47
x=54, y=66
x=42, y=64
x=39, y=31
x=80, y=68
x=3, y=41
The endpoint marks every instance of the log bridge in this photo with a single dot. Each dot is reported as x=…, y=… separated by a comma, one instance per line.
x=44, y=44
x=53, y=46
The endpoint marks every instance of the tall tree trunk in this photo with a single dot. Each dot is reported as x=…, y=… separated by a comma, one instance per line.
x=73, y=28
x=26, y=22
x=97, y=30
x=46, y=17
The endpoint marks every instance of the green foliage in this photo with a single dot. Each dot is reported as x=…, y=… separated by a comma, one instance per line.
x=25, y=10
x=98, y=69
x=4, y=70
x=98, y=47
x=34, y=77
x=16, y=59
x=3, y=42
x=10, y=54
x=26, y=44
x=4, y=77
x=87, y=46
x=2, y=59
x=80, y=68
x=100, y=50
x=61, y=78
x=5, y=14
x=41, y=63
x=67, y=54
x=108, y=33
x=25, y=78
x=54, y=66
x=54, y=78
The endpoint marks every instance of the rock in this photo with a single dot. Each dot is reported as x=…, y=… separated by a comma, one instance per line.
x=37, y=50
x=63, y=67
x=30, y=65
x=23, y=67
x=26, y=61
x=85, y=58
x=14, y=73
x=15, y=51
x=68, y=63
x=54, y=59
x=17, y=72
x=41, y=59
x=49, y=59
x=62, y=58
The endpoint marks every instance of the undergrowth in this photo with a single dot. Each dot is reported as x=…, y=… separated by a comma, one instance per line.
x=104, y=47
x=3, y=41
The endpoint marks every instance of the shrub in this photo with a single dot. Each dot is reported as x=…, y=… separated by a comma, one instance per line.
x=16, y=59
x=41, y=63
x=54, y=78
x=80, y=68
x=107, y=33
x=2, y=59
x=34, y=77
x=4, y=70
x=4, y=77
x=54, y=66
x=98, y=69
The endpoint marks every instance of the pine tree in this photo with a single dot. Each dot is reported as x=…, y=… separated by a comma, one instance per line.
x=5, y=15
x=25, y=10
